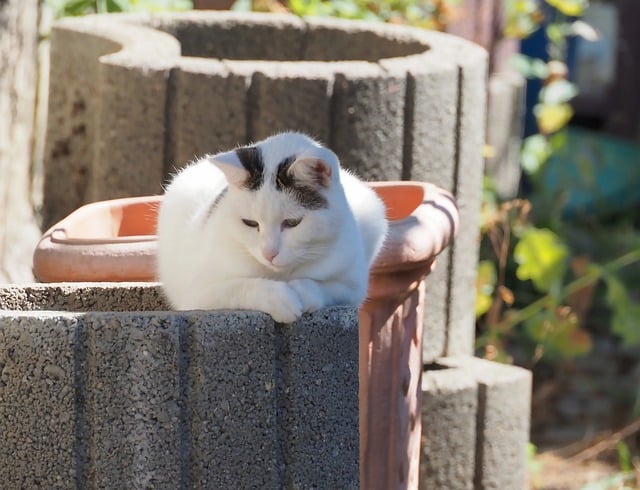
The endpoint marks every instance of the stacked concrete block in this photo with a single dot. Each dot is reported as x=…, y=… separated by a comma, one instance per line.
x=476, y=424
x=449, y=446
x=207, y=109
x=135, y=97
x=107, y=95
x=145, y=398
x=505, y=127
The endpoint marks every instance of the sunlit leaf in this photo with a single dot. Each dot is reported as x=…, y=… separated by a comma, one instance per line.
x=522, y=18
x=572, y=8
x=536, y=150
x=485, y=284
x=552, y=118
x=529, y=67
x=558, y=92
x=557, y=32
x=245, y=5
x=541, y=257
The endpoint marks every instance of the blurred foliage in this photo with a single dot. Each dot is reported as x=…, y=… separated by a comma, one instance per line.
x=64, y=8
x=431, y=14
x=540, y=271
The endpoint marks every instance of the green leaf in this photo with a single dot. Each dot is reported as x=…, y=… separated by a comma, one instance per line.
x=558, y=32
x=75, y=7
x=558, y=92
x=536, y=150
x=529, y=67
x=485, y=285
x=552, y=118
x=624, y=457
x=626, y=313
x=559, y=335
x=245, y=6
x=572, y=8
x=541, y=257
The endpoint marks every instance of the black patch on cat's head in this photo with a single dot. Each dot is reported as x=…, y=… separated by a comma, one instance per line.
x=251, y=159
x=307, y=195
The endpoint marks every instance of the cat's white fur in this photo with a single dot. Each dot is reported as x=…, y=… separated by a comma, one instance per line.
x=210, y=259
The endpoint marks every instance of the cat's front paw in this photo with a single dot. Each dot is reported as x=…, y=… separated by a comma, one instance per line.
x=283, y=303
x=310, y=293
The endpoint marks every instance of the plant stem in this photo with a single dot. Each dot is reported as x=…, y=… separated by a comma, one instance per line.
x=589, y=278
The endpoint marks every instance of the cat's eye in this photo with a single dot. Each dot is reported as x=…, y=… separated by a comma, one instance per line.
x=250, y=223
x=291, y=222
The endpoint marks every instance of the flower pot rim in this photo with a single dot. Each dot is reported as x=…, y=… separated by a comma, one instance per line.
x=421, y=226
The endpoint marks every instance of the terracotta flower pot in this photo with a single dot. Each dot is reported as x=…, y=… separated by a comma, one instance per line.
x=115, y=241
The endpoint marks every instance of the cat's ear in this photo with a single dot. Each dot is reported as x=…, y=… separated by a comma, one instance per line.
x=317, y=167
x=231, y=166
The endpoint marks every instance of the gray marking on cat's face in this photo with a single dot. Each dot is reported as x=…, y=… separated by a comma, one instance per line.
x=216, y=202
x=251, y=159
x=308, y=196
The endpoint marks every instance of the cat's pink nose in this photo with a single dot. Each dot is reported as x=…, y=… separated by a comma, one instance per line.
x=269, y=255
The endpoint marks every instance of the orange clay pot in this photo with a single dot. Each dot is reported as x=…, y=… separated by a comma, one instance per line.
x=115, y=241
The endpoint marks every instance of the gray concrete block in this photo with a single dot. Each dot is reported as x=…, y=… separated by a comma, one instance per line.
x=329, y=39
x=231, y=401
x=505, y=121
x=159, y=399
x=235, y=35
x=429, y=155
x=504, y=399
x=108, y=90
x=468, y=194
x=415, y=113
x=132, y=397
x=38, y=414
x=133, y=85
x=449, y=407
x=72, y=118
x=436, y=309
x=120, y=297
x=210, y=110
x=368, y=120
x=430, y=126
x=321, y=373
x=290, y=96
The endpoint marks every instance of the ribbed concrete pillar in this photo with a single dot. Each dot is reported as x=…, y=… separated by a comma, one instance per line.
x=475, y=424
x=393, y=102
x=141, y=399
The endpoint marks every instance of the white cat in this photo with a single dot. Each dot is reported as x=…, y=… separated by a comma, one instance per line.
x=277, y=227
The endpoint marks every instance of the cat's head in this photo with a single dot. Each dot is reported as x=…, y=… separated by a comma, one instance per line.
x=283, y=199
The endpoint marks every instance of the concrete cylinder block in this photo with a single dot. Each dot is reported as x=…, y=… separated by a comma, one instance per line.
x=449, y=409
x=392, y=101
x=100, y=387
x=135, y=97
x=475, y=424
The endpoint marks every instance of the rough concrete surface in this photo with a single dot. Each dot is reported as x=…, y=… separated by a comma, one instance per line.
x=502, y=421
x=82, y=297
x=449, y=410
x=157, y=399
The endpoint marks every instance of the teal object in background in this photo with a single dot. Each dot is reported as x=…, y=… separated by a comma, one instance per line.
x=592, y=174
